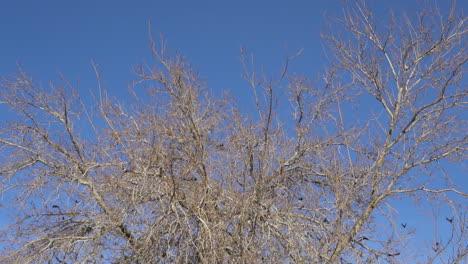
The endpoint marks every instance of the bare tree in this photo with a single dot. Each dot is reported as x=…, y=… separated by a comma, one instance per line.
x=175, y=175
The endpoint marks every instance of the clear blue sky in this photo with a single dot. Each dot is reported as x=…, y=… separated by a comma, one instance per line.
x=50, y=36
x=47, y=37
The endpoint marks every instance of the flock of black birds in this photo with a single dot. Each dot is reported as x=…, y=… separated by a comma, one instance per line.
x=450, y=220
x=435, y=248
x=437, y=244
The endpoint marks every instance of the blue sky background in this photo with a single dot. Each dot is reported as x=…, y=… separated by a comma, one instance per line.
x=48, y=37
x=52, y=36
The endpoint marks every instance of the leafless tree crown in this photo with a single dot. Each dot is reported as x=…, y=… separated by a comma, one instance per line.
x=176, y=175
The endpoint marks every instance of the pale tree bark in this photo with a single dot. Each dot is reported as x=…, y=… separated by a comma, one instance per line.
x=176, y=175
x=414, y=69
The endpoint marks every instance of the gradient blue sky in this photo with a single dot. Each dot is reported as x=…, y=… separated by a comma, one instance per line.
x=50, y=36
x=47, y=37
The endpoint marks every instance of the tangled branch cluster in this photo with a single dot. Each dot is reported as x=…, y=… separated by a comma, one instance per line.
x=183, y=177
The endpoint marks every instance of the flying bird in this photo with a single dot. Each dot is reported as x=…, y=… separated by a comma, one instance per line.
x=436, y=248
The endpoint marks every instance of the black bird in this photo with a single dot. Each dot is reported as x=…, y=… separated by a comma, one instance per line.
x=436, y=248
x=57, y=207
x=362, y=238
x=393, y=255
x=403, y=225
x=449, y=219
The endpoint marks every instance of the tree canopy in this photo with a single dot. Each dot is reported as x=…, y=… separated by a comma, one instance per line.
x=177, y=175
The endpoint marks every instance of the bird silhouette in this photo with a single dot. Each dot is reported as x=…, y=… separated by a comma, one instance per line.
x=436, y=248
